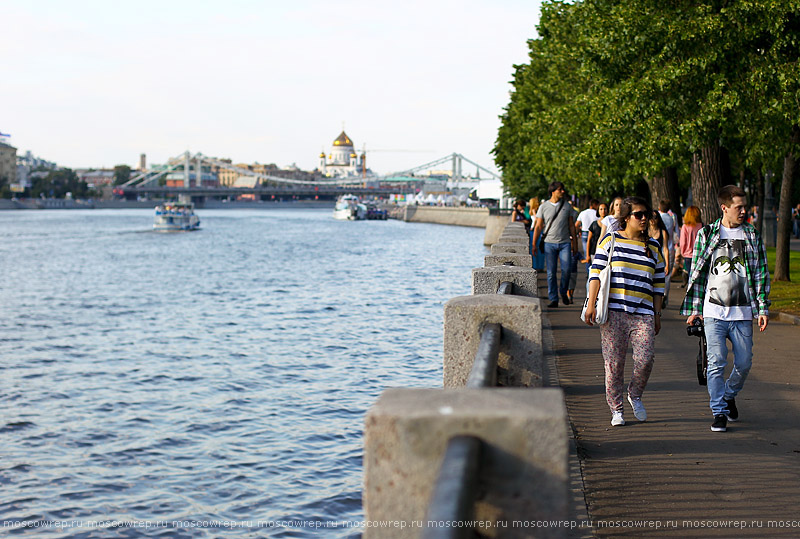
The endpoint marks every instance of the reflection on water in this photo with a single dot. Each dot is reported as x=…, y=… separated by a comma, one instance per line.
x=221, y=374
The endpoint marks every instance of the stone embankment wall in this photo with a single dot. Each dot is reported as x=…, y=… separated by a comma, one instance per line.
x=444, y=215
x=475, y=217
x=522, y=426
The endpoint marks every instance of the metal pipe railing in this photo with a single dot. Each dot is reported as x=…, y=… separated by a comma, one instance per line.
x=455, y=492
x=456, y=489
x=506, y=288
x=484, y=368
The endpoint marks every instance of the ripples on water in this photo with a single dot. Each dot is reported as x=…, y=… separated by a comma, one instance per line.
x=222, y=374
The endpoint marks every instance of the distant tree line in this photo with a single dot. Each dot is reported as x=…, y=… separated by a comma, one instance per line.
x=58, y=183
x=649, y=96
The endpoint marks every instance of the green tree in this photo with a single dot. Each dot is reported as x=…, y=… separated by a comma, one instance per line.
x=58, y=183
x=122, y=173
x=615, y=92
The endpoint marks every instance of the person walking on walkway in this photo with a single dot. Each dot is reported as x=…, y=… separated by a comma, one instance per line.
x=671, y=225
x=796, y=221
x=536, y=255
x=555, y=226
x=634, y=305
x=594, y=236
x=518, y=215
x=728, y=286
x=609, y=223
x=691, y=226
x=659, y=232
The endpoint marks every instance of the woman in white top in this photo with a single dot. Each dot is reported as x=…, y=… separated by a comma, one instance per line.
x=609, y=222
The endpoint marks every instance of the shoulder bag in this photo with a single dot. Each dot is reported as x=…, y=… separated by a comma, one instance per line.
x=544, y=234
x=601, y=305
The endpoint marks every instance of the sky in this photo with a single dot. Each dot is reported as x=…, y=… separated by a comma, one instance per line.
x=96, y=83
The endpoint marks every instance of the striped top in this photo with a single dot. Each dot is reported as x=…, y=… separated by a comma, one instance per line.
x=635, y=276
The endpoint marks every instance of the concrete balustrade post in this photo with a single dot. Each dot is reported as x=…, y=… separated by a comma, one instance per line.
x=486, y=280
x=510, y=247
x=513, y=238
x=523, y=470
x=521, y=359
x=522, y=261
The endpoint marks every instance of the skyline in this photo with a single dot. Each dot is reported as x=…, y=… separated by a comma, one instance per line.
x=95, y=85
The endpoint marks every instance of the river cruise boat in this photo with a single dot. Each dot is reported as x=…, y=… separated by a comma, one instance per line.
x=349, y=208
x=175, y=217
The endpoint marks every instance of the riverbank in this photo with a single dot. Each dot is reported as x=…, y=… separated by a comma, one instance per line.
x=65, y=204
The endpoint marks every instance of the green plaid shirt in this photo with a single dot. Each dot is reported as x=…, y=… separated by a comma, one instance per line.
x=756, y=265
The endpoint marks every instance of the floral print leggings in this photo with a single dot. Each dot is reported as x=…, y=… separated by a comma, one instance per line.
x=620, y=330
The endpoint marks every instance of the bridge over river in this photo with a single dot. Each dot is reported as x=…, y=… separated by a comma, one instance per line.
x=300, y=185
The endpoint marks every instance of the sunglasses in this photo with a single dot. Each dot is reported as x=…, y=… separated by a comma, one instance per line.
x=640, y=215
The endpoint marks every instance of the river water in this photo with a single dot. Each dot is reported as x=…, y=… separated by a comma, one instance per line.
x=172, y=380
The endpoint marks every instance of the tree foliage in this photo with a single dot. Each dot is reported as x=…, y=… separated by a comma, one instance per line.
x=58, y=183
x=122, y=173
x=615, y=92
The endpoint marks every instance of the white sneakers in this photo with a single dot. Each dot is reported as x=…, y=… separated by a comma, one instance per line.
x=638, y=412
x=638, y=409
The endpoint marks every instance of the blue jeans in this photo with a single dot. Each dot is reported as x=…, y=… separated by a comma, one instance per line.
x=553, y=254
x=740, y=333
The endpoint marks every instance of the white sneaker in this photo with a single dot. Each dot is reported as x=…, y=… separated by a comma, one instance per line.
x=617, y=419
x=638, y=409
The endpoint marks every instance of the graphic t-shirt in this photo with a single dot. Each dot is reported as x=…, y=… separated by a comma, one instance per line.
x=728, y=292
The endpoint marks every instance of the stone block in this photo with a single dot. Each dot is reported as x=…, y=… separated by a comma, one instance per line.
x=523, y=475
x=520, y=362
x=486, y=280
x=514, y=248
x=513, y=238
x=521, y=261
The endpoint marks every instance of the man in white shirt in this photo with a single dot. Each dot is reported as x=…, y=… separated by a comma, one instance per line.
x=728, y=287
x=585, y=220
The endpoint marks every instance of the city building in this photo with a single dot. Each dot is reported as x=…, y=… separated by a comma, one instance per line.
x=228, y=177
x=208, y=178
x=96, y=178
x=30, y=167
x=8, y=163
x=342, y=159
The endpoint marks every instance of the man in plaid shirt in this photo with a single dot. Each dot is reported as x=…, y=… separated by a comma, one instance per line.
x=728, y=287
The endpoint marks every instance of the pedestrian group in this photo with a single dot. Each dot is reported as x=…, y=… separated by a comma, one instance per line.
x=631, y=252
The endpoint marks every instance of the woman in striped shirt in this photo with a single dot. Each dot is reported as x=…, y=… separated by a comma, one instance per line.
x=634, y=305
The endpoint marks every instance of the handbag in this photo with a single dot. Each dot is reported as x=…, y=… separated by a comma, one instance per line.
x=544, y=234
x=601, y=305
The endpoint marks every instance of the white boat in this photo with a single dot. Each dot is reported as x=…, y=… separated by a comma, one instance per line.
x=175, y=217
x=349, y=208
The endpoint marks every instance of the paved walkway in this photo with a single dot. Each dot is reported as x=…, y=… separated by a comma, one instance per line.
x=671, y=476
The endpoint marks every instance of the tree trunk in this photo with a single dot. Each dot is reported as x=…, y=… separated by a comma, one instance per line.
x=760, y=200
x=664, y=186
x=785, y=209
x=710, y=171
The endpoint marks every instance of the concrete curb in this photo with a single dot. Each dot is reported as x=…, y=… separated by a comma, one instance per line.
x=785, y=318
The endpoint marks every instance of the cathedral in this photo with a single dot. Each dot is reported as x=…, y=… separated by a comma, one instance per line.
x=342, y=159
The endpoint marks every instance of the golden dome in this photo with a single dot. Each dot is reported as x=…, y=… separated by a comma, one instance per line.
x=343, y=140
